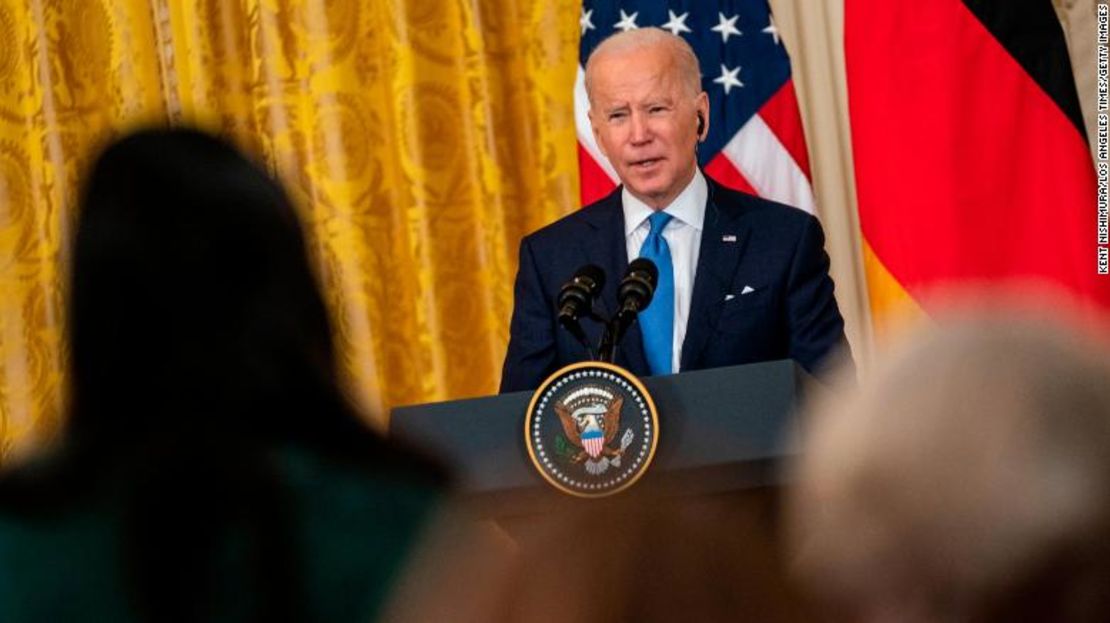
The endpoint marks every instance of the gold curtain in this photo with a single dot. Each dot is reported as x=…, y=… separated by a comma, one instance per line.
x=420, y=139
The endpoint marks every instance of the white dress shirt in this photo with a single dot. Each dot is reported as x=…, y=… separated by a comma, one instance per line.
x=683, y=236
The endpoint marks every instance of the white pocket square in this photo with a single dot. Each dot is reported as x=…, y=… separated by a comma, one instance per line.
x=729, y=297
x=747, y=290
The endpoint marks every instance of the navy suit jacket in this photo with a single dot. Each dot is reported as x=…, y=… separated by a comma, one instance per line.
x=776, y=250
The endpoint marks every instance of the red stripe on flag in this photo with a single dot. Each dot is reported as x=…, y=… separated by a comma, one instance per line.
x=724, y=172
x=965, y=169
x=780, y=113
x=594, y=182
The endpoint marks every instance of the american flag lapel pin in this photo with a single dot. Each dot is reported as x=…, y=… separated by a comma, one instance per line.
x=728, y=238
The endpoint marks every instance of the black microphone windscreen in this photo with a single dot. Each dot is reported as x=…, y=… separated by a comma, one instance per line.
x=594, y=273
x=644, y=265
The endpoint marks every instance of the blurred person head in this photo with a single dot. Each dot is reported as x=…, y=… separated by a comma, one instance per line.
x=648, y=111
x=968, y=480
x=192, y=306
x=199, y=343
x=642, y=557
x=708, y=558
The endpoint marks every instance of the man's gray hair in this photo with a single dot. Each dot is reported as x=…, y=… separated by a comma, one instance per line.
x=682, y=55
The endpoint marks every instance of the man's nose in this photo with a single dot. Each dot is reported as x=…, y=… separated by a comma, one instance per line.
x=641, y=130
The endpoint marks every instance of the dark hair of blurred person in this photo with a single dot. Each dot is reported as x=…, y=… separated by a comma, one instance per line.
x=968, y=480
x=211, y=467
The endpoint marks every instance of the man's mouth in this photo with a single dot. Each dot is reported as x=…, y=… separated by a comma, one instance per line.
x=645, y=163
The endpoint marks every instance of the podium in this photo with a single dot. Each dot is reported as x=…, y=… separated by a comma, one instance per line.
x=713, y=489
x=721, y=430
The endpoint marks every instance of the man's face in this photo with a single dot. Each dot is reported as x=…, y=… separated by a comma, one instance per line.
x=645, y=121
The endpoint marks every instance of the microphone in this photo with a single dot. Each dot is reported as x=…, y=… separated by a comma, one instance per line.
x=576, y=300
x=577, y=295
x=638, y=286
x=634, y=295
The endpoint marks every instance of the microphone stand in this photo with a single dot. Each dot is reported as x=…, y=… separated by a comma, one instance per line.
x=575, y=329
x=614, y=331
x=607, y=350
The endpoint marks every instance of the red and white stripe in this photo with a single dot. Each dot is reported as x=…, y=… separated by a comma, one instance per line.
x=593, y=446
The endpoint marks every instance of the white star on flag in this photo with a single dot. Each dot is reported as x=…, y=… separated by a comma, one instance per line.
x=584, y=22
x=772, y=30
x=726, y=26
x=728, y=78
x=628, y=22
x=677, y=23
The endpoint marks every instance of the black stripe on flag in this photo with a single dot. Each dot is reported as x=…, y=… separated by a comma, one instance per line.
x=1030, y=31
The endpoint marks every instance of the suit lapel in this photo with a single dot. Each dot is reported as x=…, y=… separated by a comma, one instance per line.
x=723, y=239
x=605, y=246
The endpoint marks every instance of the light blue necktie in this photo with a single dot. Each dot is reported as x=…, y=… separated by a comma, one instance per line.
x=657, y=321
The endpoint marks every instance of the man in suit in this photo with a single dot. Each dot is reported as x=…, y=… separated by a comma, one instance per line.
x=741, y=279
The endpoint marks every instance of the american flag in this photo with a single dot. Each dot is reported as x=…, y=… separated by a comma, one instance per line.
x=755, y=143
x=593, y=441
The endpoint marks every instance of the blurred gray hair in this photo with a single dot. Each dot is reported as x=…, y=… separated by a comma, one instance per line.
x=973, y=459
x=685, y=61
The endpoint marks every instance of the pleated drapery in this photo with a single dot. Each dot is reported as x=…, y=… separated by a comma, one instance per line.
x=421, y=140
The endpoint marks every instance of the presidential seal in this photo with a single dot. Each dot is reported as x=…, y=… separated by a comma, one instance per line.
x=591, y=429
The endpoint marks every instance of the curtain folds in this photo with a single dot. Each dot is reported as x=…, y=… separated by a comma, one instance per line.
x=421, y=140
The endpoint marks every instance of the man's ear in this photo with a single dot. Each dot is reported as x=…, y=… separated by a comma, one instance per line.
x=701, y=106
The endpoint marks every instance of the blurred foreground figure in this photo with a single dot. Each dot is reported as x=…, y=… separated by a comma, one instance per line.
x=969, y=481
x=211, y=469
x=646, y=559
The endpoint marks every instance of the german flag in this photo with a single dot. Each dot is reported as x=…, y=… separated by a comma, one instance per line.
x=971, y=161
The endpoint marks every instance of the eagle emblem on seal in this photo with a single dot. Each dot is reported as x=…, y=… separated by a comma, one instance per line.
x=591, y=419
